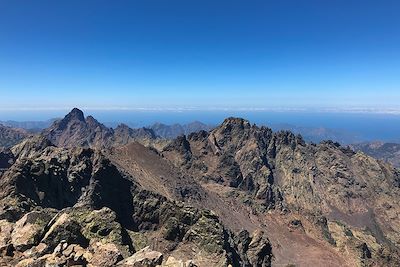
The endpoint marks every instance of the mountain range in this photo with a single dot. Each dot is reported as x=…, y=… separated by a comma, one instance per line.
x=318, y=134
x=389, y=152
x=161, y=130
x=80, y=193
x=10, y=136
x=31, y=126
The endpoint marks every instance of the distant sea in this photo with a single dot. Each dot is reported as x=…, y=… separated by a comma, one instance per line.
x=369, y=126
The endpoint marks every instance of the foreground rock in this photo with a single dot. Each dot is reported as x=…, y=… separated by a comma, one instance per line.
x=144, y=257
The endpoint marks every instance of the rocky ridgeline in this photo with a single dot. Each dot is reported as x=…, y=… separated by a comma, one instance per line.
x=238, y=195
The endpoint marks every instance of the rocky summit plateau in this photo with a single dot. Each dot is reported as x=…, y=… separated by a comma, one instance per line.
x=82, y=194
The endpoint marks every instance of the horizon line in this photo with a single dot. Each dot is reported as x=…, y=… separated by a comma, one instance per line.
x=370, y=110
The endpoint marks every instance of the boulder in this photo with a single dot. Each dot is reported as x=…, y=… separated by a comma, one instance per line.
x=65, y=229
x=105, y=255
x=30, y=228
x=172, y=262
x=144, y=257
x=6, y=229
x=259, y=251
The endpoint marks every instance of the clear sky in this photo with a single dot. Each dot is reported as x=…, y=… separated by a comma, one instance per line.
x=189, y=53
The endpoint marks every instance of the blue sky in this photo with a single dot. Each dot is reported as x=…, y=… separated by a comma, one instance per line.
x=203, y=54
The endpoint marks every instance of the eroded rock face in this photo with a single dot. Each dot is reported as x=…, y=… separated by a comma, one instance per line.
x=234, y=154
x=64, y=229
x=60, y=178
x=255, y=250
x=259, y=250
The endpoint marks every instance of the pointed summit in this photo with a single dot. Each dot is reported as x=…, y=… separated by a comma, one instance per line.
x=75, y=114
x=75, y=130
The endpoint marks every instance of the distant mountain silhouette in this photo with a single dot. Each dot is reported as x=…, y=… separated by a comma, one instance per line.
x=175, y=130
x=389, y=152
x=318, y=134
x=10, y=136
x=31, y=126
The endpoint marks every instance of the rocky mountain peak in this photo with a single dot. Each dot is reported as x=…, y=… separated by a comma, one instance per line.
x=75, y=114
x=236, y=123
x=93, y=123
x=123, y=126
x=75, y=130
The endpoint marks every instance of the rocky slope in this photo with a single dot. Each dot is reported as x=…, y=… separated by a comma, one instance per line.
x=240, y=194
x=389, y=152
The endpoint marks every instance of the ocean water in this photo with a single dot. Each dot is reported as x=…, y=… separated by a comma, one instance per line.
x=369, y=126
